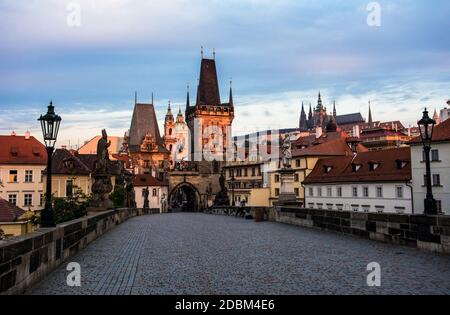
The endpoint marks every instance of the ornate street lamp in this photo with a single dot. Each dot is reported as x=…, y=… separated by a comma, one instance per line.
x=232, y=180
x=426, y=126
x=50, y=127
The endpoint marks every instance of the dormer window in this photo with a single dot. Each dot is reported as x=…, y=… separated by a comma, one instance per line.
x=356, y=167
x=328, y=168
x=401, y=164
x=373, y=165
x=68, y=163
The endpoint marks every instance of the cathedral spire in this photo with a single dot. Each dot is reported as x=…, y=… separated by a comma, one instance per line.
x=152, y=98
x=334, y=109
x=319, y=102
x=231, y=94
x=310, y=118
x=135, y=97
x=303, y=124
x=187, y=99
x=370, y=117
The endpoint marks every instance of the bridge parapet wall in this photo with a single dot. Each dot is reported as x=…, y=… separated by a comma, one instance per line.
x=27, y=259
x=426, y=232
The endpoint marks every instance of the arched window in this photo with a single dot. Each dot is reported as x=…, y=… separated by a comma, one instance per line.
x=170, y=131
x=170, y=147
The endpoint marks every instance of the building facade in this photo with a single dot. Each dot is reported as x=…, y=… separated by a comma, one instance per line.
x=22, y=161
x=176, y=137
x=440, y=169
x=158, y=191
x=374, y=181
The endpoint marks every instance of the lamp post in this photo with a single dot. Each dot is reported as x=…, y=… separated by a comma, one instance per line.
x=50, y=127
x=426, y=126
x=232, y=180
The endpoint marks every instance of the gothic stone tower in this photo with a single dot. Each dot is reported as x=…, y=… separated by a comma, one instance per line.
x=209, y=116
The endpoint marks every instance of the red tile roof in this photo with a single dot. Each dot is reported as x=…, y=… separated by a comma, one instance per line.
x=335, y=147
x=9, y=212
x=340, y=169
x=441, y=133
x=147, y=180
x=19, y=150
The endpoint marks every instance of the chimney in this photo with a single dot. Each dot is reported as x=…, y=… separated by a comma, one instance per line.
x=356, y=132
x=318, y=132
x=13, y=133
x=27, y=135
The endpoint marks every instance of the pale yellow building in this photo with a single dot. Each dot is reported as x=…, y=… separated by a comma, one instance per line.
x=22, y=160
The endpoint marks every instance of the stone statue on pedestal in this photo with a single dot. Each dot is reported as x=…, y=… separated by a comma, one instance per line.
x=102, y=185
x=146, y=193
x=163, y=203
x=130, y=193
x=222, y=196
x=286, y=151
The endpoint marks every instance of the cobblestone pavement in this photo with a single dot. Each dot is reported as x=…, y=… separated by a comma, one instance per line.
x=189, y=253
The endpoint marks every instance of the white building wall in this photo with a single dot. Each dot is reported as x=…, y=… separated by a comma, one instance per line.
x=389, y=202
x=154, y=199
x=20, y=188
x=442, y=167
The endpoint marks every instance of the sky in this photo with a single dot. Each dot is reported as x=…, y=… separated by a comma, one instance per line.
x=277, y=53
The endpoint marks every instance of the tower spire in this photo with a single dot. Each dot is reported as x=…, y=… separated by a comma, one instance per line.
x=135, y=97
x=319, y=102
x=231, y=93
x=214, y=53
x=334, y=109
x=187, y=99
x=152, y=98
x=303, y=123
x=201, y=51
x=370, y=117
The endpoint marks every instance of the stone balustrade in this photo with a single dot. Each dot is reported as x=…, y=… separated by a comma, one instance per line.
x=422, y=231
x=25, y=260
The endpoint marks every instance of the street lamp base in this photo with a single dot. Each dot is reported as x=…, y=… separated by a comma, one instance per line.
x=430, y=206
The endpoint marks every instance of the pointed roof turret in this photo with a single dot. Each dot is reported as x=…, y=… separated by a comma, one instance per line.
x=230, y=102
x=169, y=115
x=208, y=86
x=303, y=124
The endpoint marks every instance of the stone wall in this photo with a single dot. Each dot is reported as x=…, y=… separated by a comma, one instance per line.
x=25, y=260
x=251, y=211
x=425, y=232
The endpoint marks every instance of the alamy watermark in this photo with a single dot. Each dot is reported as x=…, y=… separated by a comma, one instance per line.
x=74, y=277
x=374, y=276
x=374, y=16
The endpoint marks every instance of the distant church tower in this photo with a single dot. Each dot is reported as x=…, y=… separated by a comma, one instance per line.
x=303, y=123
x=208, y=111
x=320, y=114
x=169, y=134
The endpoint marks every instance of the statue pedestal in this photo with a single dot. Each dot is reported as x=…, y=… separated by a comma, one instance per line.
x=287, y=195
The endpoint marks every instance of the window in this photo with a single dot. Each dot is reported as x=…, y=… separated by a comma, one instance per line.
x=366, y=192
x=373, y=166
x=366, y=208
x=311, y=205
x=170, y=131
x=154, y=192
x=41, y=199
x=355, y=208
x=297, y=192
x=434, y=155
x=355, y=191
x=436, y=180
x=340, y=206
x=277, y=191
x=13, y=176
x=379, y=191
x=12, y=199
x=319, y=205
x=319, y=191
x=339, y=191
x=329, y=192
x=230, y=172
x=297, y=163
x=329, y=206
x=356, y=167
x=28, y=176
x=245, y=172
x=27, y=199
x=399, y=191
x=296, y=177
x=277, y=178
x=400, y=210
x=69, y=188
x=259, y=171
x=253, y=171
x=379, y=209
x=311, y=191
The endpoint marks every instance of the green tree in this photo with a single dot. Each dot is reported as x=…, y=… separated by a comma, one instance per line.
x=118, y=196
